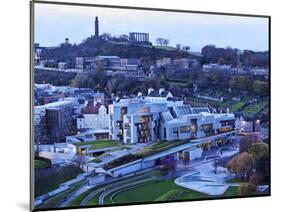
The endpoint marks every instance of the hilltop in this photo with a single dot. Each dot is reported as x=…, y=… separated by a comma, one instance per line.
x=92, y=47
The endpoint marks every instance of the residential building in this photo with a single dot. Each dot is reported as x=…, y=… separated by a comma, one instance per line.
x=164, y=62
x=182, y=63
x=111, y=62
x=94, y=116
x=54, y=121
x=62, y=65
x=259, y=71
x=129, y=64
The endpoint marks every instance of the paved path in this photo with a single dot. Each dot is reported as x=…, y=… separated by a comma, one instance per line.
x=76, y=193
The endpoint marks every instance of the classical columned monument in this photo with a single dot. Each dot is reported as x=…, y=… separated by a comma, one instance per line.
x=139, y=38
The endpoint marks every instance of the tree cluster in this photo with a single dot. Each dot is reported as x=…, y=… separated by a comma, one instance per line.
x=252, y=164
x=234, y=56
x=162, y=41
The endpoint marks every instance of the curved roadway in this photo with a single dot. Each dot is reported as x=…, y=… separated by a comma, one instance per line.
x=91, y=195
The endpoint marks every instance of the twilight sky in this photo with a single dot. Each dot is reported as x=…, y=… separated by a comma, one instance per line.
x=53, y=23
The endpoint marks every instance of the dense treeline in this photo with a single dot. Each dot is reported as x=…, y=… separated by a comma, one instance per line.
x=53, y=77
x=122, y=85
x=234, y=56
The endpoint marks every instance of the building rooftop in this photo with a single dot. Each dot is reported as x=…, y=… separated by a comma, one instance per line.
x=183, y=110
x=56, y=104
x=167, y=116
x=92, y=109
x=107, y=57
x=158, y=94
x=200, y=109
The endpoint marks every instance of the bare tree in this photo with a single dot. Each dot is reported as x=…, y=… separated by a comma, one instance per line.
x=124, y=38
x=106, y=36
x=166, y=41
x=186, y=48
x=79, y=160
x=160, y=41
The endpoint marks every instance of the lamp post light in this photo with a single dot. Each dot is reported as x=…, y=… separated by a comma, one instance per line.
x=243, y=125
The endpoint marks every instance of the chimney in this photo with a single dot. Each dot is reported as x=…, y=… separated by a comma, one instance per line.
x=161, y=90
x=149, y=90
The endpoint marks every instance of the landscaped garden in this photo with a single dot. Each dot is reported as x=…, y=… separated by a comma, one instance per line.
x=165, y=190
x=255, y=108
x=159, y=147
x=236, y=106
x=145, y=152
x=99, y=144
x=41, y=164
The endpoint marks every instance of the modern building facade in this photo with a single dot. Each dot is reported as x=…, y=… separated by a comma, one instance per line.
x=185, y=122
x=144, y=120
x=162, y=117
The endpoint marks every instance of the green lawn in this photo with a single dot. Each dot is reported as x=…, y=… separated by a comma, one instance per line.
x=157, y=191
x=99, y=144
x=231, y=191
x=234, y=180
x=145, y=152
x=178, y=82
x=168, y=48
x=236, y=106
x=94, y=200
x=153, y=191
x=99, y=158
x=40, y=164
x=159, y=147
x=255, y=108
